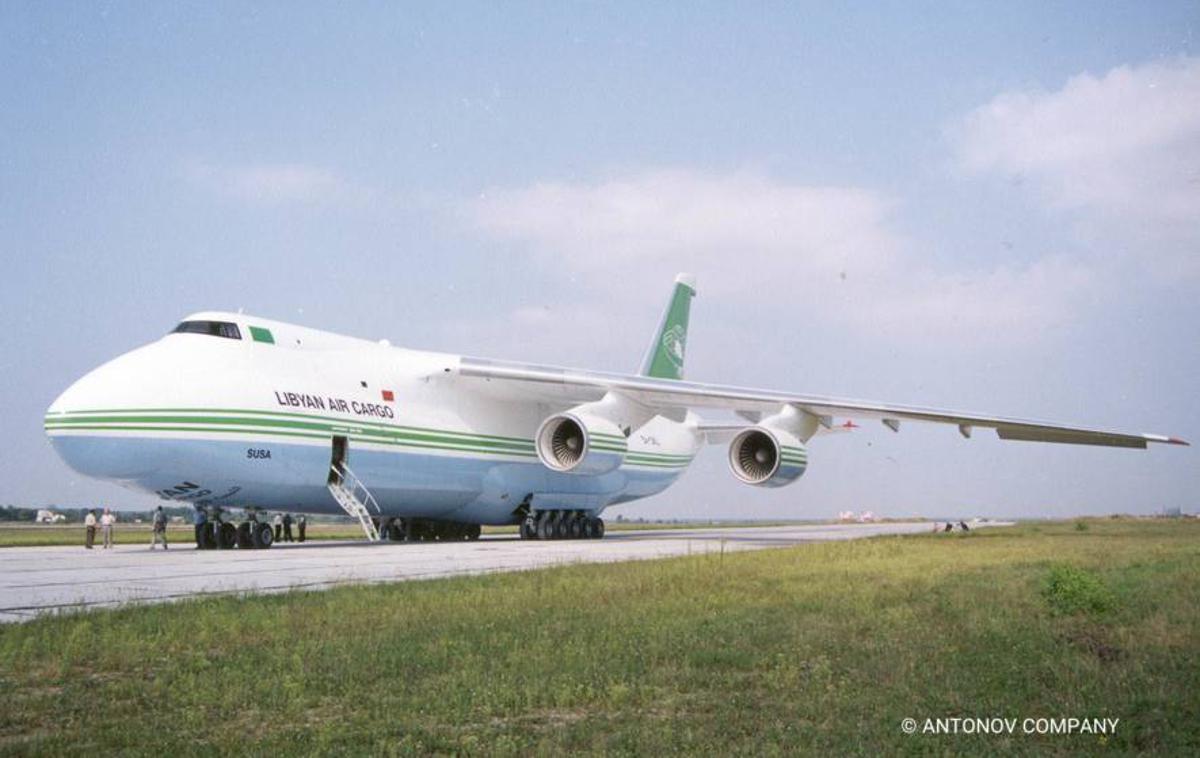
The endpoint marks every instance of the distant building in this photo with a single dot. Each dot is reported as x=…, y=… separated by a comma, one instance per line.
x=49, y=517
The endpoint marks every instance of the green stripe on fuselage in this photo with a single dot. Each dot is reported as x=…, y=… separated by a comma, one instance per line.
x=309, y=426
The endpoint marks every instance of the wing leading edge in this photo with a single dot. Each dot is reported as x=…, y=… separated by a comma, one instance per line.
x=563, y=384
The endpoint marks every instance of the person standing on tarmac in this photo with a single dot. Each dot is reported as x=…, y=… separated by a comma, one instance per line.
x=301, y=524
x=200, y=520
x=160, y=528
x=106, y=527
x=287, y=528
x=89, y=525
x=278, y=522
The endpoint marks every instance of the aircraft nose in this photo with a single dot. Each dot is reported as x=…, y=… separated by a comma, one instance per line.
x=78, y=424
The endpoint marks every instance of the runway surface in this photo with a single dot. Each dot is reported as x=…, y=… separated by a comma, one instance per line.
x=37, y=580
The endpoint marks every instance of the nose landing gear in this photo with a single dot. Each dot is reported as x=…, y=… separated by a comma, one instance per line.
x=223, y=535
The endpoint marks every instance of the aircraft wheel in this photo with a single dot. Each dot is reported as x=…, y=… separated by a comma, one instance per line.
x=527, y=528
x=562, y=528
x=589, y=527
x=395, y=531
x=209, y=535
x=545, y=529
x=599, y=528
x=473, y=532
x=226, y=535
x=264, y=536
x=245, y=535
x=575, y=527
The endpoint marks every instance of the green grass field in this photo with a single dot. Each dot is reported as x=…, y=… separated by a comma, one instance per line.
x=823, y=648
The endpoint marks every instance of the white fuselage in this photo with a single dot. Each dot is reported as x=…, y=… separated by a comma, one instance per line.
x=250, y=423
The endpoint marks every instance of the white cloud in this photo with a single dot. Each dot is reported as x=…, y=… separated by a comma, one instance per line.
x=1121, y=151
x=272, y=184
x=829, y=253
x=660, y=215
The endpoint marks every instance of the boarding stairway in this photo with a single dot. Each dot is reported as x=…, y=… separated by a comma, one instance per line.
x=354, y=497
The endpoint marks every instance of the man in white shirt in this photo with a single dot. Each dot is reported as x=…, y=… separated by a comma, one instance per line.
x=106, y=527
x=278, y=523
x=89, y=523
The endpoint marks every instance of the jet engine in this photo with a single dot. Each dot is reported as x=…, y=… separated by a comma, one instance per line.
x=580, y=443
x=767, y=457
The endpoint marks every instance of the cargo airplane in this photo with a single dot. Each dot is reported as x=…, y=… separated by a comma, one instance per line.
x=230, y=412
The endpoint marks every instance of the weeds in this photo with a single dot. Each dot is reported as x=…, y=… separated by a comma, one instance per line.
x=1068, y=589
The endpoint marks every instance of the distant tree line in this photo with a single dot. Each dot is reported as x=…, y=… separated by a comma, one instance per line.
x=74, y=515
x=12, y=513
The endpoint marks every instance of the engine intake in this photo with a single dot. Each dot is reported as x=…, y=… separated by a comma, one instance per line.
x=580, y=444
x=767, y=457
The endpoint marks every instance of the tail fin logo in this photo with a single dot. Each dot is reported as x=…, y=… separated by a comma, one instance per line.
x=673, y=343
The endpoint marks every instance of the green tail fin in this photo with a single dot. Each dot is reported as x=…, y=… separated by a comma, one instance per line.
x=664, y=359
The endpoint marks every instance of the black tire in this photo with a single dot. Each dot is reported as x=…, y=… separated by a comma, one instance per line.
x=589, y=527
x=575, y=527
x=264, y=536
x=473, y=532
x=528, y=528
x=395, y=531
x=599, y=528
x=209, y=536
x=545, y=529
x=412, y=531
x=562, y=528
x=226, y=535
x=245, y=535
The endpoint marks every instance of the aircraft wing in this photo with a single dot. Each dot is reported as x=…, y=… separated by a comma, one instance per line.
x=668, y=395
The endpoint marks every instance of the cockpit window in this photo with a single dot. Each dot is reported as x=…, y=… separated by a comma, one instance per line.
x=213, y=328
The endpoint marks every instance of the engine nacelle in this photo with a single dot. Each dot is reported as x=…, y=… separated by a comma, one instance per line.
x=767, y=457
x=580, y=443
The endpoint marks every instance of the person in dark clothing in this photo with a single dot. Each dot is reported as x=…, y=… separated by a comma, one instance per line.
x=963, y=525
x=200, y=521
x=949, y=526
x=160, y=528
x=287, y=528
x=301, y=524
x=89, y=523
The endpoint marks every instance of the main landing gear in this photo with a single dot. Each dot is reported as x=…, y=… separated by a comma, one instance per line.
x=561, y=525
x=427, y=530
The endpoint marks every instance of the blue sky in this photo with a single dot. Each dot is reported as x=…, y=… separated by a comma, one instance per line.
x=993, y=207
